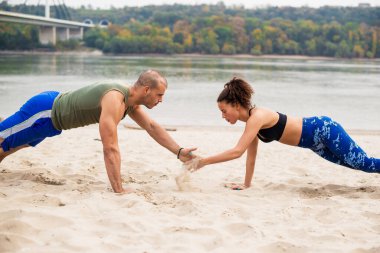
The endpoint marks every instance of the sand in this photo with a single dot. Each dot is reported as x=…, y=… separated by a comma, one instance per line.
x=57, y=198
x=183, y=179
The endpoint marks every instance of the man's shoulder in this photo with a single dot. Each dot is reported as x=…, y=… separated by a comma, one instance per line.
x=111, y=83
x=114, y=94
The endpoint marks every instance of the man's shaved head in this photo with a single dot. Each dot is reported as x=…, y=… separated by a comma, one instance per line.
x=151, y=78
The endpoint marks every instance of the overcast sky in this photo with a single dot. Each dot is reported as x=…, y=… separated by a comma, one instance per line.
x=104, y=4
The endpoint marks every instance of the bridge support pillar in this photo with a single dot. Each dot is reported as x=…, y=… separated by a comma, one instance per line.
x=76, y=33
x=63, y=33
x=48, y=34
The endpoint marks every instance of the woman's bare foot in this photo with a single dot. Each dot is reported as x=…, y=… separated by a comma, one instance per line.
x=235, y=186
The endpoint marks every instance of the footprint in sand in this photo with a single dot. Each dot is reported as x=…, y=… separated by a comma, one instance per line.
x=42, y=200
x=44, y=178
x=153, y=198
x=180, y=207
x=148, y=177
x=82, y=179
x=35, y=175
x=27, y=163
x=340, y=190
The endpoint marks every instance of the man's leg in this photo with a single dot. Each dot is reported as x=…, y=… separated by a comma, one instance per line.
x=11, y=151
x=28, y=126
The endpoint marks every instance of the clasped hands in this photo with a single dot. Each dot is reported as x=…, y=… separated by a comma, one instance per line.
x=192, y=162
x=196, y=162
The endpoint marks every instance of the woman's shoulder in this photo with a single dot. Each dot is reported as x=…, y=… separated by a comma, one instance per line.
x=262, y=116
x=262, y=112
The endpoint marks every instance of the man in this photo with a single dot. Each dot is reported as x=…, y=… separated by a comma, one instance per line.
x=48, y=113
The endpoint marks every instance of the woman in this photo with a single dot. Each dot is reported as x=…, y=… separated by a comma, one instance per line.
x=320, y=134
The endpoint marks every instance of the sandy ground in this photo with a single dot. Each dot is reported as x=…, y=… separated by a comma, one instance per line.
x=57, y=198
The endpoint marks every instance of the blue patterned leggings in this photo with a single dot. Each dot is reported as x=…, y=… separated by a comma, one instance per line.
x=329, y=140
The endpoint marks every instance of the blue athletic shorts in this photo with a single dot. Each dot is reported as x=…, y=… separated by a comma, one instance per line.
x=31, y=124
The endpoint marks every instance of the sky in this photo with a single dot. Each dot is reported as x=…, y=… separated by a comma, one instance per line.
x=104, y=4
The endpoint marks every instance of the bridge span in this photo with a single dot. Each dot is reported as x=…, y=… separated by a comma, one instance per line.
x=50, y=29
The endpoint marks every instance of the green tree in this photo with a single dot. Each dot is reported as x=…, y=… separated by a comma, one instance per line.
x=374, y=43
x=183, y=27
x=268, y=47
x=332, y=32
x=224, y=35
x=206, y=41
x=256, y=50
x=311, y=47
x=178, y=38
x=291, y=47
x=330, y=49
x=240, y=37
x=96, y=38
x=258, y=39
x=228, y=48
x=343, y=50
x=358, y=51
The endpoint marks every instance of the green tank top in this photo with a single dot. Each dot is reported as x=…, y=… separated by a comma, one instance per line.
x=82, y=107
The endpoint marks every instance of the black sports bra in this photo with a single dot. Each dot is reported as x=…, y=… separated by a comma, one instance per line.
x=274, y=132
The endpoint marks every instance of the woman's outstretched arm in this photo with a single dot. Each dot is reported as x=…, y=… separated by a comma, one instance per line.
x=250, y=132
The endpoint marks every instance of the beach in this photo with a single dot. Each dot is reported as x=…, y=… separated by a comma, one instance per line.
x=57, y=198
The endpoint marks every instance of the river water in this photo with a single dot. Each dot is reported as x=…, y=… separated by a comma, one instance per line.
x=346, y=90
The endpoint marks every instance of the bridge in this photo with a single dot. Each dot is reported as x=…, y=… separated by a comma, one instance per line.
x=50, y=29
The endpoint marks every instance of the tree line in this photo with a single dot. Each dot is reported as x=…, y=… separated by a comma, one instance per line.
x=216, y=29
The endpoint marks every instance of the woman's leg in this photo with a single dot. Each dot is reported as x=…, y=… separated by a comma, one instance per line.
x=329, y=156
x=329, y=140
x=344, y=149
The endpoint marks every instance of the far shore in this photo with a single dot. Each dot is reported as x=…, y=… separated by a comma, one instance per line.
x=95, y=52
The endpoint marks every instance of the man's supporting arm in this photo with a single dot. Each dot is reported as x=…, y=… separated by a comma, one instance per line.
x=112, y=109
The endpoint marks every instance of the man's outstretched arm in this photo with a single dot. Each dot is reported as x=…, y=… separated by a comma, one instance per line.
x=159, y=134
